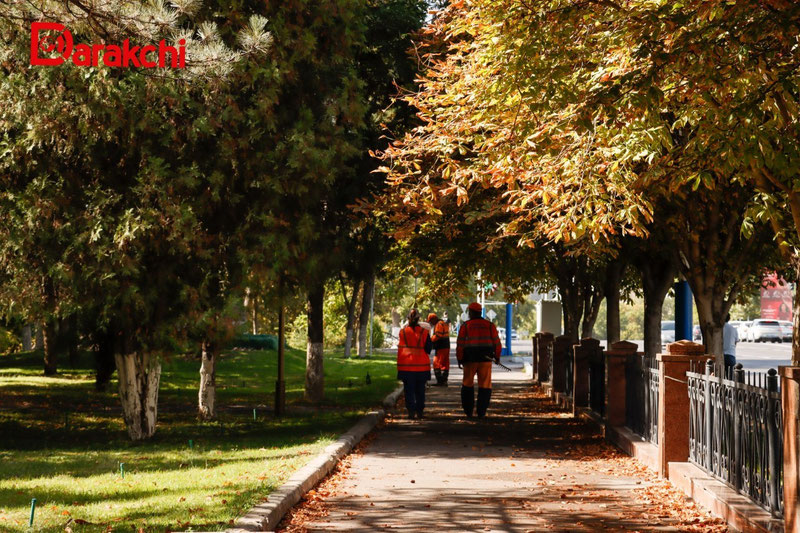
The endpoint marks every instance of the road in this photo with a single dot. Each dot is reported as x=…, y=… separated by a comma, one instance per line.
x=754, y=356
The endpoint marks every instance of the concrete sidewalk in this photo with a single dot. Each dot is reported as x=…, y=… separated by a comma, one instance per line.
x=528, y=467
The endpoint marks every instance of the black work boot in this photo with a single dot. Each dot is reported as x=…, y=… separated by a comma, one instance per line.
x=484, y=395
x=445, y=373
x=438, y=373
x=467, y=400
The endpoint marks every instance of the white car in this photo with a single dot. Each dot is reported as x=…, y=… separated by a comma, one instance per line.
x=786, y=329
x=667, y=331
x=742, y=329
x=763, y=329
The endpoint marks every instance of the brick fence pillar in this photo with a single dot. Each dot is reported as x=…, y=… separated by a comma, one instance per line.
x=534, y=356
x=581, y=354
x=544, y=353
x=673, y=404
x=562, y=348
x=790, y=404
x=615, y=381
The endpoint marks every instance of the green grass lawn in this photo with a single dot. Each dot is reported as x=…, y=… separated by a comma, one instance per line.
x=62, y=443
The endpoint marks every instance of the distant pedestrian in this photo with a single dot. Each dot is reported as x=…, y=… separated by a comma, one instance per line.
x=730, y=336
x=414, y=364
x=478, y=345
x=441, y=343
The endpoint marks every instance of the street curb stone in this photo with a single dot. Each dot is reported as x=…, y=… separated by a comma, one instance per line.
x=265, y=516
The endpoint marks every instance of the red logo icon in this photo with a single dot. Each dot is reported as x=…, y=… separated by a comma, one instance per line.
x=52, y=40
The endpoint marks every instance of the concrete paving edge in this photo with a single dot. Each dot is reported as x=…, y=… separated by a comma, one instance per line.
x=267, y=515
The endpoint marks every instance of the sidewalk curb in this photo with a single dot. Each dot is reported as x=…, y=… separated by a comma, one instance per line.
x=265, y=516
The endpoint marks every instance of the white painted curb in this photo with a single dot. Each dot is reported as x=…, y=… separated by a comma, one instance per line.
x=267, y=515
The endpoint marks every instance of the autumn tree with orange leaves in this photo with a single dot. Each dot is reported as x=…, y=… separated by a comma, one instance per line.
x=577, y=122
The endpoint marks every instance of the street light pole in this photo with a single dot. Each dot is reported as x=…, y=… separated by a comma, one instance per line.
x=509, y=315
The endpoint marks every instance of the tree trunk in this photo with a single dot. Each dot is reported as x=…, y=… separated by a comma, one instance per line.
x=363, y=317
x=27, y=340
x=315, y=380
x=139, y=377
x=254, y=315
x=711, y=312
x=653, y=307
x=207, y=397
x=104, y=360
x=796, y=320
x=591, y=309
x=612, y=288
x=658, y=275
x=50, y=345
x=571, y=308
x=39, y=338
x=351, y=315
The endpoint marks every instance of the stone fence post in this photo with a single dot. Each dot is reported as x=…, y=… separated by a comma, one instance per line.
x=562, y=348
x=790, y=404
x=673, y=401
x=582, y=354
x=615, y=381
x=535, y=357
x=544, y=353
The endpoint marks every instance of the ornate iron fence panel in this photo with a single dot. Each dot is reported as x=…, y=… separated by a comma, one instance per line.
x=650, y=369
x=736, y=432
x=641, y=396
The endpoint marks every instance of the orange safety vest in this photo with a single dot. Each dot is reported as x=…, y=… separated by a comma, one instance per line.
x=478, y=341
x=441, y=336
x=411, y=356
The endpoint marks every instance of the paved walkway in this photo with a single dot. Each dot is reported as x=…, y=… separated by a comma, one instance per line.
x=528, y=467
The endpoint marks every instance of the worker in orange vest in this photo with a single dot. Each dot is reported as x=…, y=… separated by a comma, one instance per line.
x=441, y=343
x=477, y=346
x=414, y=364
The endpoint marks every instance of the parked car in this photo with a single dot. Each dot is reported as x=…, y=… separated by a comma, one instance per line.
x=697, y=334
x=786, y=330
x=667, y=331
x=744, y=326
x=501, y=332
x=765, y=330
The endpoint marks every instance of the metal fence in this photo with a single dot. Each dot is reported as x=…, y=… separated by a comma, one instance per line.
x=641, y=396
x=736, y=431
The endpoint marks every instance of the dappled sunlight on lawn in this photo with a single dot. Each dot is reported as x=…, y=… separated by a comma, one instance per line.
x=62, y=442
x=161, y=489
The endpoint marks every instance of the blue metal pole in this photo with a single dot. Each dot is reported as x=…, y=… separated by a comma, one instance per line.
x=509, y=314
x=683, y=311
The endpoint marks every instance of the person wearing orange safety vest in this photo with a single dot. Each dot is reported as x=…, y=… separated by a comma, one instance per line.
x=414, y=364
x=441, y=343
x=477, y=346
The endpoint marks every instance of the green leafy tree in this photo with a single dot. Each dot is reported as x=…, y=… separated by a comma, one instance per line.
x=102, y=172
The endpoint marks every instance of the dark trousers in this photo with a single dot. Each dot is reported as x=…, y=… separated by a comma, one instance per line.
x=414, y=388
x=730, y=362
